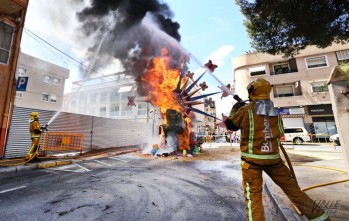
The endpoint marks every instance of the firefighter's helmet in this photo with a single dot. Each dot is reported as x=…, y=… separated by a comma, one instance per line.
x=259, y=89
x=34, y=115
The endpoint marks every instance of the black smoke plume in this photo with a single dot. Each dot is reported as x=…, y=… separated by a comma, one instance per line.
x=122, y=24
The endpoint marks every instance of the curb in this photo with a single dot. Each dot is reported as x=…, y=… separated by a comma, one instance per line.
x=53, y=164
x=17, y=168
x=282, y=210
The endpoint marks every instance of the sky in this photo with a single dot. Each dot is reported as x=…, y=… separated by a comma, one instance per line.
x=208, y=31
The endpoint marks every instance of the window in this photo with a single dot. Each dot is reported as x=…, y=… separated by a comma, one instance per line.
x=281, y=68
x=260, y=70
x=293, y=130
x=53, y=98
x=316, y=62
x=21, y=72
x=114, y=110
x=44, y=97
x=318, y=87
x=284, y=91
x=343, y=55
x=73, y=104
x=124, y=96
x=114, y=96
x=19, y=94
x=103, y=98
x=142, y=109
x=47, y=79
x=126, y=111
x=93, y=98
x=102, y=111
x=6, y=35
x=56, y=81
x=82, y=103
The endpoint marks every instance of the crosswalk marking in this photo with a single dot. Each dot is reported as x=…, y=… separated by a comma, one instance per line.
x=84, y=168
x=12, y=189
x=116, y=158
x=70, y=168
x=101, y=162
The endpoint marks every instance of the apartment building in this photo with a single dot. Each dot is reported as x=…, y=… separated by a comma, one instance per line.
x=45, y=87
x=299, y=83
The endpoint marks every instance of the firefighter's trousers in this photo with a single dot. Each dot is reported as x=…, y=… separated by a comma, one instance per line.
x=253, y=185
x=34, y=149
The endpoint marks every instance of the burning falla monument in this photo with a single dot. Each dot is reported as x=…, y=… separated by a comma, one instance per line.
x=145, y=39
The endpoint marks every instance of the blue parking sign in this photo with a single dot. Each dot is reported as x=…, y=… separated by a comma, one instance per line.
x=22, y=83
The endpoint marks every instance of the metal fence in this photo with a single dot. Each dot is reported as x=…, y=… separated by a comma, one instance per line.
x=98, y=132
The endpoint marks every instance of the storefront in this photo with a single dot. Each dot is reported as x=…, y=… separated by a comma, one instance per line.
x=293, y=116
x=323, y=119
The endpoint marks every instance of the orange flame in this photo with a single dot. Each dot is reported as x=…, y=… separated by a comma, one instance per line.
x=162, y=81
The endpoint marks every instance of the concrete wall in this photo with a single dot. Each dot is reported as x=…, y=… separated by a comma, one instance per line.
x=340, y=105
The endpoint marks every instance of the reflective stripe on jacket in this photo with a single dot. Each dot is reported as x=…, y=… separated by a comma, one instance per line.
x=260, y=135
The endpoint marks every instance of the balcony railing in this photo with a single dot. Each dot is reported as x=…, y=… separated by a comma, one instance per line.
x=284, y=71
x=288, y=95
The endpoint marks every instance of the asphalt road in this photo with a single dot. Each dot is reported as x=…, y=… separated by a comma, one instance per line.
x=125, y=188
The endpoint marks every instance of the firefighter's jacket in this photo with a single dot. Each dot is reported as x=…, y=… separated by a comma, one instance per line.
x=260, y=135
x=34, y=129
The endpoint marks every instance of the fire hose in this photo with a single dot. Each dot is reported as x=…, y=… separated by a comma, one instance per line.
x=310, y=187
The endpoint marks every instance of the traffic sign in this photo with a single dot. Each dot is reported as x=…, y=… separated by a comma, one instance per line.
x=22, y=83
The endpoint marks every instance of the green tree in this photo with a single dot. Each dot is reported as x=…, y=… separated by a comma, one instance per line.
x=287, y=26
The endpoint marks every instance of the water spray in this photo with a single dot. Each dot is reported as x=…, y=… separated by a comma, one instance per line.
x=88, y=73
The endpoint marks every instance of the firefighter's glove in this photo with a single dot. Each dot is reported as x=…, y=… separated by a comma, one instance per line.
x=44, y=128
x=235, y=108
x=237, y=105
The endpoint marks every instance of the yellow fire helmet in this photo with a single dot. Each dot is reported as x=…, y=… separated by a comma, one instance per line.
x=34, y=115
x=259, y=89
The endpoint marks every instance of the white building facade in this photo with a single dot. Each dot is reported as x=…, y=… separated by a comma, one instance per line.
x=45, y=85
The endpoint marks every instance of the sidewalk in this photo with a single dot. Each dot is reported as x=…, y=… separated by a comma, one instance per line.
x=329, y=167
x=15, y=165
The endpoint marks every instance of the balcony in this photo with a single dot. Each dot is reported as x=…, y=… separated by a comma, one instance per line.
x=283, y=67
x=288, y=95
x=287, y=89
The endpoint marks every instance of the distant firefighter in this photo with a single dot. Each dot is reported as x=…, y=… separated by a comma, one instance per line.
x=35, y=135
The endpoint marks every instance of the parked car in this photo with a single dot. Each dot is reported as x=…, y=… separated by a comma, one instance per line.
x=324, y=135
x=335, y=138
x=296, y=135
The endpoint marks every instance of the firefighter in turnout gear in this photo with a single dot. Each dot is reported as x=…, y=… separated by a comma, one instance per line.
x=35, y=135
x=261, y=128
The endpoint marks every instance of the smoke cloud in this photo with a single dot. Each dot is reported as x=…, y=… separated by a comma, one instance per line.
x=133, y=31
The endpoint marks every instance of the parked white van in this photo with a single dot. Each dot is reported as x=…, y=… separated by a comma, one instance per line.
x=296, y=135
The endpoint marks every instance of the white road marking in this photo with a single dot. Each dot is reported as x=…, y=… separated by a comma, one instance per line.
x=103, y=163
x=70, y=168
x=12, y=189
x=115, y=158
x=84, y=168
x=59, y=169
